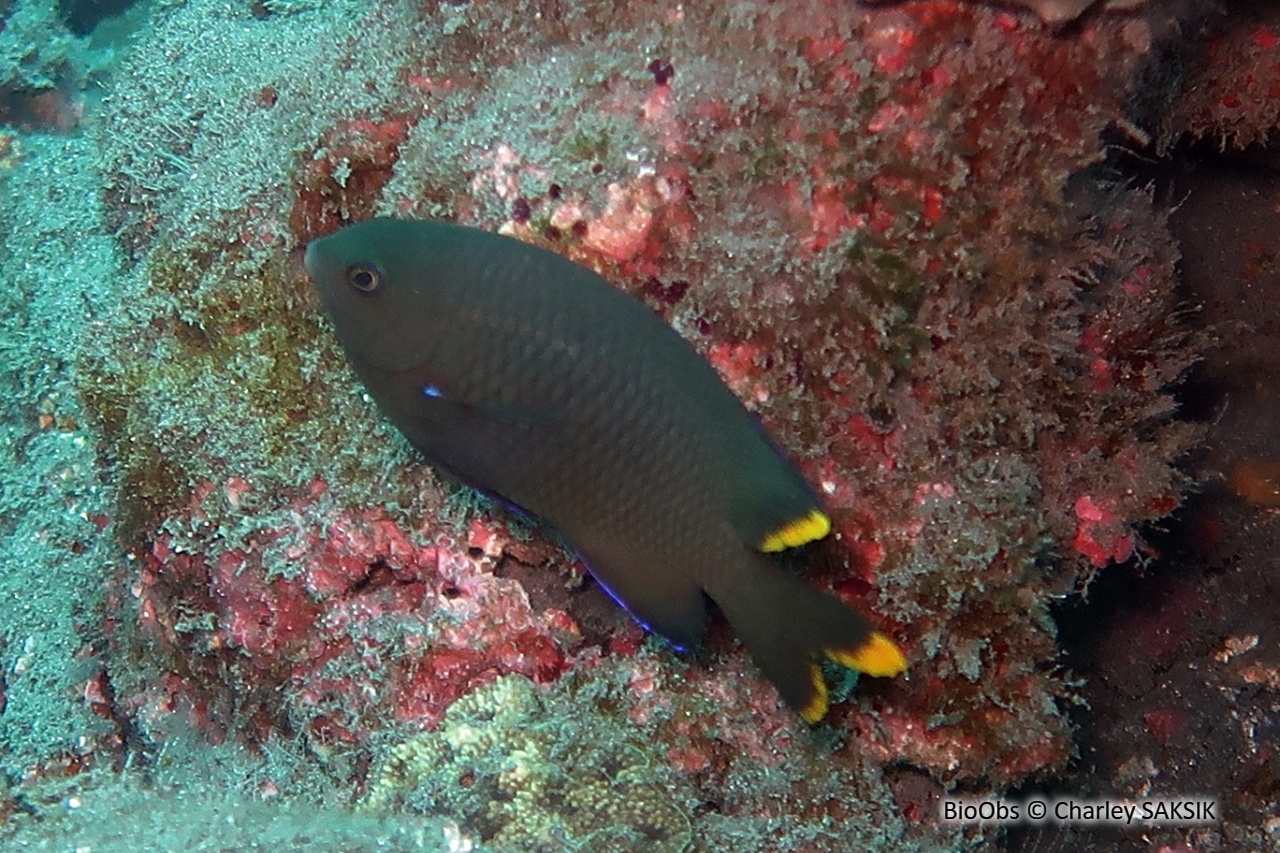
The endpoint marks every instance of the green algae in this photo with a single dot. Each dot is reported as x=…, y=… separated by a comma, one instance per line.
x=59, y=273
x=511, y=762
x=137, y=813
x=221, y=370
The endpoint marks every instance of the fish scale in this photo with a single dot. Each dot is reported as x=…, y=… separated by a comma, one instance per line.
x=532, y=378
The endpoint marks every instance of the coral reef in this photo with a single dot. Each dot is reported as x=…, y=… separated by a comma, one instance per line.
x=555, y=767
x=869, y=261
x=43, y=66
x=876, y=222
x=354, y=622
x=109, y=815
x=1232, y=94
x=1180, y=649
x=55, y=497
x=1059, y=12
x=501, y=762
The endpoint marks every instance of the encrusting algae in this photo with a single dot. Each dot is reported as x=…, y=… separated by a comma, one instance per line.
x=499, y=764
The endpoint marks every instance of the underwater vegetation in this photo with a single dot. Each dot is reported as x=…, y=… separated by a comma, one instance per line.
x=882, y=225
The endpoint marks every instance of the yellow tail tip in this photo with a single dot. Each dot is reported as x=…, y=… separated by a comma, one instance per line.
x=799, y=532
x=878, y=656
x=818, y=705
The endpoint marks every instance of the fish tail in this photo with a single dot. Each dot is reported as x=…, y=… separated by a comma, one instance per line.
x=789, y=627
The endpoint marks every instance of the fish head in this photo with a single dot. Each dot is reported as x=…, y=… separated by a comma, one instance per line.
x=375, y=281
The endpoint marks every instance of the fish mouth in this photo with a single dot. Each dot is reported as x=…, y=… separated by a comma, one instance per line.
x=311, y=259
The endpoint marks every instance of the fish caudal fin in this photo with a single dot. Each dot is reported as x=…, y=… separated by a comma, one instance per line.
x=789, y=628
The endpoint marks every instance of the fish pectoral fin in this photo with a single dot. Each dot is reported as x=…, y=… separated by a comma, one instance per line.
x=440, y=400
x=519, y=415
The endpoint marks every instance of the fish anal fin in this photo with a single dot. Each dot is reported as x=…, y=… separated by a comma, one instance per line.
x=819, y=702
x=660, y=597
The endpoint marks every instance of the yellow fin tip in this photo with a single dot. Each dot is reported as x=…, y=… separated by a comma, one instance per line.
x=797, y=532
x=878, y=656
x=816, y=708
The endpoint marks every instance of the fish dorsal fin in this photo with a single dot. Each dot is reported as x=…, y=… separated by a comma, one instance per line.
x=774, y=508
x=802, y=530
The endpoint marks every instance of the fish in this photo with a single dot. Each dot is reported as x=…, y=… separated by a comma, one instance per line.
x=532, y=378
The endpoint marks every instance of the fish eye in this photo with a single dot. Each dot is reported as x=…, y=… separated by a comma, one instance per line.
x=365, y=277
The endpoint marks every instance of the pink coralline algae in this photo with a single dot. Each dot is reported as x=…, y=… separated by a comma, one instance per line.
x=1101, y=536
x=356, y=621
x=873, y=197
x=1059, y=12
x=1232, y=95
x=875, y=221
x=359, y=156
